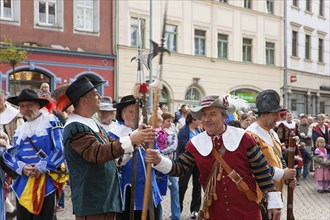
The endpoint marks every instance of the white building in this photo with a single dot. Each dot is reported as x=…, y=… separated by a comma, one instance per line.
x=308, y=45
x=216, y=47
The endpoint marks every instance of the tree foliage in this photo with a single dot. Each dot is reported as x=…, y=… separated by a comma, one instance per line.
x=11, y=54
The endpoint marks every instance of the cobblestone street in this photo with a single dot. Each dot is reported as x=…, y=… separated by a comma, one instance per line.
x=308, y=203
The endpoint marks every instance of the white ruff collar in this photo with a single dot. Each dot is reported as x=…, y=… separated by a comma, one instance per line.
x=36, y=127
x=90, y=122
x=256, y=129
x=292, y=125
x=8, y=114
x=121, y=131
x=231, y=139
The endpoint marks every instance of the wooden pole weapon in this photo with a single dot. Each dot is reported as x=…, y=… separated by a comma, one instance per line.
x=140, y=87
x=291, y=153
x=156, y=86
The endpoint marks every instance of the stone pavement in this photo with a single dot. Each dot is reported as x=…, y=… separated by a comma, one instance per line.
x=308, y=203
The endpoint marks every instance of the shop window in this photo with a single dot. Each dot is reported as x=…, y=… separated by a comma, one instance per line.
x=26, y=79
x=164, y=98
x=192, y=97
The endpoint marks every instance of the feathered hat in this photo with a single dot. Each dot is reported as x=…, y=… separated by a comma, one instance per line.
x=73, y=93
x=213, y=101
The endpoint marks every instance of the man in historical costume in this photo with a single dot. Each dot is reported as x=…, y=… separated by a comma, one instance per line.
x=127, y=118
x=285, y=130
x=10, y=119
x=237, y=152
x=91, y=154
x=107, y=114
x=37, y=150
x=268, y=105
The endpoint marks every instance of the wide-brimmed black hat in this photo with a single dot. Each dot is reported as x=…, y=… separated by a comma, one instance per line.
x=28, y=95
x=125, y=101
x=75, y=91
x=268, y=101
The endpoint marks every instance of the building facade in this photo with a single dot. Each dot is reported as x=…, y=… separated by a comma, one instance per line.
x=65, y=40
x=217, y=47
x=308, y=56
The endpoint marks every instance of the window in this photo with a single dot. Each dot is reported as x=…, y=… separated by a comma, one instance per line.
x=6, y=9
x=171, y=37
x=247, y=50
x=294, y=43
x=307, y=47
x=193, y=96
x=223, y=1
x=47, y=9
x=321, y=49
x=270, y=53
x=48, y=13
x=248, y=4
x=321, y=6
x=308, y=5
x=295, y=3
x=200, y=38
x=87, y=15
x=270, y=7
x=222, y=46
x=135, y=31
x=27, y=79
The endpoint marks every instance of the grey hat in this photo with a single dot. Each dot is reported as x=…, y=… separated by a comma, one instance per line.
x=268, y=101
x=213, y=101
x=106, y=104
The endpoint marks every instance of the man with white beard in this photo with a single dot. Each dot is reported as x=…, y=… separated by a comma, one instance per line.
x=107, y=114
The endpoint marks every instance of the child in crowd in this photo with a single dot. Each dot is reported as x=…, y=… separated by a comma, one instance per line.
x=322, y=165
x=306, y=158
x=44, y=90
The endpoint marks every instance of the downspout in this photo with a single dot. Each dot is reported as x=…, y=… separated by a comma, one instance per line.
x=115, y=47
x=285, y=86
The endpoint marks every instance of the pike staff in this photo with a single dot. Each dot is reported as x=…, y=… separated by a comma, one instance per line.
x=291, y=153
x=156, y=86
x=140, y=88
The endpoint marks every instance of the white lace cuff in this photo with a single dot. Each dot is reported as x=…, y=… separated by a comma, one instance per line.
x=278, y=174
x=126, y=144
x=275, y=200
x=165, y=165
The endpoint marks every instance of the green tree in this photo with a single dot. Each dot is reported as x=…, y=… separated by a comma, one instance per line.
x=11, y=55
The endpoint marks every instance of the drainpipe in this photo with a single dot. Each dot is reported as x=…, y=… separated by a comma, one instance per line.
x=285, y=86
x=115, y=47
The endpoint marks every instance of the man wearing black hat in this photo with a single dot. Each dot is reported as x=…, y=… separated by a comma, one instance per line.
x=126, y=116
x=91, y=154
x=268, y=104
x=37, y=150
